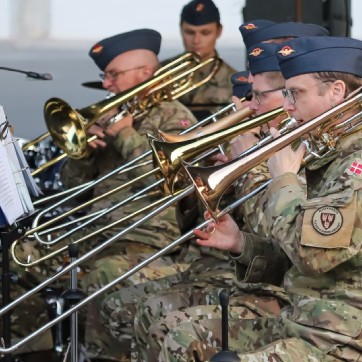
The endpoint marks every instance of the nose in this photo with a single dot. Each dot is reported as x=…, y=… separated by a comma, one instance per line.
x=254, y=105
x=197, y=38
x=106, y=83
x=288, y=106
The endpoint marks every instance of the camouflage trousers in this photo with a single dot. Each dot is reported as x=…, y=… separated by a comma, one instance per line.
x=164, y=312
x=159, y=274
x=118, y=309
x=255, y=339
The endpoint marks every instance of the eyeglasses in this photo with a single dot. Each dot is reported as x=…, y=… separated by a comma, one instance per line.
x=258, y=95
x=112, y=76
x=291, y=94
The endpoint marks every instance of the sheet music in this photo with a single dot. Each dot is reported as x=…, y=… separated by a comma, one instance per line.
x=29, y=180
x=10, y=202
x=15, y=200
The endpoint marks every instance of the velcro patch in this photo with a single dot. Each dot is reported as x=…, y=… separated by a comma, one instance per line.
x=329, y=227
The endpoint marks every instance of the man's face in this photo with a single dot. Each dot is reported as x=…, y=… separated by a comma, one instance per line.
x=311, y=97
x=124, y=72
x=265, y=102
x=200, y=39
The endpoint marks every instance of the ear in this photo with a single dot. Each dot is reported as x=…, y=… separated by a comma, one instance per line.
x=148, y=71
x=338, y=91
x=219, y=31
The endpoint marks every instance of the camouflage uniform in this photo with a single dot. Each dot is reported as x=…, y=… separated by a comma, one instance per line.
x=321, y=234
x=218, y=90
x=258, y=293
x=138, y=244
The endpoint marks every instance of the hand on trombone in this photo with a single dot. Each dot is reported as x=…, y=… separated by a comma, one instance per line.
x=287, y=159
x=103, y=128
x=224, y=235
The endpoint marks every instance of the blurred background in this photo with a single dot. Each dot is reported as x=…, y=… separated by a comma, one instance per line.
x=53, y=36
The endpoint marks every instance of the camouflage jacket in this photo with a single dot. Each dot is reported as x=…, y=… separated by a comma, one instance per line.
x=320, y=231
x=218, y=90
x=131, y=142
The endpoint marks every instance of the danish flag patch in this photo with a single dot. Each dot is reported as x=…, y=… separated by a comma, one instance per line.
x=184, y=122
x=356, y=168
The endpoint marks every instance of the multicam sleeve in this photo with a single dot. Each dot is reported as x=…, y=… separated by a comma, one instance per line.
x=322, y=232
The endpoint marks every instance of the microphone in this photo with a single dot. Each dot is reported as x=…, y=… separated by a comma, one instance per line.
x=42, y=76
x=30, y=74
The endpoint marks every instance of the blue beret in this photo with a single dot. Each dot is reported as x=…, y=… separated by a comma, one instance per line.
x=262, y=58
x=107, y=49
x=241, y=86
x=261, y=30
x=320, y=54
x=200, y=12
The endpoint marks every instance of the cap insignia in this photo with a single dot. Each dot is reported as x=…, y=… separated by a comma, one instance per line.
x=286, y=50
x=256, y=52
x=249, y=26
x=242, y=79
x=97, y=48
x=199, y=7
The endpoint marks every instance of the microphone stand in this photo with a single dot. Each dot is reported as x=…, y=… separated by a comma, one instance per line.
x=224, y=355
x=7, y=237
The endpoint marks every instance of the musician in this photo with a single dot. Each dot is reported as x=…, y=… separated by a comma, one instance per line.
x=201, y=28
x=126, y=60
x=209, y=269
x=319, y=230
x=261, y=293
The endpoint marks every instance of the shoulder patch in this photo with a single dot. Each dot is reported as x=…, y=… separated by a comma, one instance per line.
x=184, y=123
x=327, y=220
x=356, y=168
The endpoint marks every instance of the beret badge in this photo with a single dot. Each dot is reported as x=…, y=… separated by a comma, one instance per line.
x=286, y=50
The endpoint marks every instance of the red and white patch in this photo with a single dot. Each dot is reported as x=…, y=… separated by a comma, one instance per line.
x=356, y=168
x=286, y=50
x=327, y=220
x=249, y=26
x=256, y=52
x=97, y=48
x=184, y=123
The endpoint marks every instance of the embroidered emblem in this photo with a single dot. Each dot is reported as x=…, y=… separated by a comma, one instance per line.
x=249, y=26
x=256, y=52
x=327, y=220
x=184, y=122
x=356, y=168
x=242, y=79
x=286, y=50
x=199, y=7
x=97, y=48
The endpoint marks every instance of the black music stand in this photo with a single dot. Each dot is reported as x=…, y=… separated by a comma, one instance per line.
x=8, y=234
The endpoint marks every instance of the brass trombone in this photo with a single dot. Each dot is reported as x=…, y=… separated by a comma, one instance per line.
x=68, y=127
x=323, y=122
x=212, y=182
x=184, y=150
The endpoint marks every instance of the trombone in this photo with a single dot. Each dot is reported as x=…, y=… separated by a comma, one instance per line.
x=68, y=126
x=323, y=121
x=211, y=183
x=184, y=150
